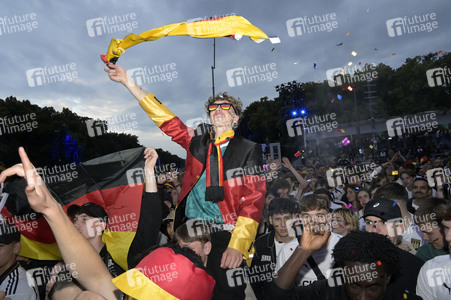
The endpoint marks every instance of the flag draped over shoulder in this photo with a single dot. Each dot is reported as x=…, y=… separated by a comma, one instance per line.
x=113, y=181
x=229, y=26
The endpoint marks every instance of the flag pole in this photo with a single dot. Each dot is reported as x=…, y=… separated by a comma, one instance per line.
x=213, y=67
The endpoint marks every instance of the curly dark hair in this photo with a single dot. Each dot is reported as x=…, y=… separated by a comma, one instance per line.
x=282, y=206
x=236, y=104
x=366, y=247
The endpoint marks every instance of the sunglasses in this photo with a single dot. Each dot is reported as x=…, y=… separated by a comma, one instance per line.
x=224, y=106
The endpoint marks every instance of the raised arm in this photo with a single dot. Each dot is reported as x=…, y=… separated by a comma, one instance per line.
x=287, y=164
x=151, y=156
x=75, y=249
x=119, y=74
x=314, y=237
x=150, y=217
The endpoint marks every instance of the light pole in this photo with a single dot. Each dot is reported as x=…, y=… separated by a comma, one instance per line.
x=351, y=89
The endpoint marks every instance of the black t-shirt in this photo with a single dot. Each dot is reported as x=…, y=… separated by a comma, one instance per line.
x=408, y=268
x=404, y=281
x=113, y=267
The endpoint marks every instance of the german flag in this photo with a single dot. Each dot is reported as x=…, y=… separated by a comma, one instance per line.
x=167, y=274
x=114, y=181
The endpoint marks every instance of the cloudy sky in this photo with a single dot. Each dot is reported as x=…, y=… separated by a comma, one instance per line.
x=62, y=36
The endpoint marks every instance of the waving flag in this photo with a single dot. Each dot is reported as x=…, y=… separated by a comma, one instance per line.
x=229, y=26
x=113, y=181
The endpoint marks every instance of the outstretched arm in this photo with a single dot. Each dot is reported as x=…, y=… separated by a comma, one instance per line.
x=119, y=74
x=75, y=249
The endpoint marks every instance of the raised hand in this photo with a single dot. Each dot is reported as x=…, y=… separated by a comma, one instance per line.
x=151, y=156
x=315, y=236
x=117, y=73
x=286, y=163
x=38, y=195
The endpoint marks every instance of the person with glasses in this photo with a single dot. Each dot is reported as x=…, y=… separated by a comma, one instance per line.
x=224, y=183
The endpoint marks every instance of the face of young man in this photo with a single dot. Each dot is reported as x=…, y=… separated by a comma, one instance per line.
x=269, y=198
x=279, y=221
x=421, y=190
x=447, y=231
x=339, y=225
x=8, y=254
x=88, y=226
x=283, y=193
x=391, y=229
x=433, y=234
x=407, y=180
x=321, y=217
x=223, y=118
x=374, y=283
x=200, y=249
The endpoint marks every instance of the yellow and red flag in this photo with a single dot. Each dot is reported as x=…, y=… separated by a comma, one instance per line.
x=229, y=26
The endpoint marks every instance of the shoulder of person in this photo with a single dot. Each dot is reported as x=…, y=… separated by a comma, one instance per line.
x=262, y=240
x=440, y=260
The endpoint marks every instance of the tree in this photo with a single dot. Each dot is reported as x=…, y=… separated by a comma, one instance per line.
x=55, y=138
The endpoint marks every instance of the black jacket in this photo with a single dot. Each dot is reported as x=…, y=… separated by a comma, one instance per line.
x=264, y=261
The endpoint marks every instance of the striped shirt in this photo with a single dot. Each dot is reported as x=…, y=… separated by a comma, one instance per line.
x=16, y=285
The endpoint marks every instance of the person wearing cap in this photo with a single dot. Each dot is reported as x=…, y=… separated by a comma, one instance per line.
x=167, y=229
x=91, y=220
x=410, y=238
x=14, y=281
x=224, y=181
x=139, y=282
x=383, y=217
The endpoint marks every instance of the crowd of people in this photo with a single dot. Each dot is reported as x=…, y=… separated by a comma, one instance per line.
x=229, y=227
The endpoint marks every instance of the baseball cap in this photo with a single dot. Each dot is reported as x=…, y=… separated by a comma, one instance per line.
x=382, y=208
x=91, y=209
x=170, y=216
x=8, y=233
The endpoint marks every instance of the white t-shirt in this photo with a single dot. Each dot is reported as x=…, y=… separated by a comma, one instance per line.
x=18, y=286
x=287, y=249
x=322, y=257
x=412, y=237
x=434, y=279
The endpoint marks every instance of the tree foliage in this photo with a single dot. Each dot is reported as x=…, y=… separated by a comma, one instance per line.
x=58, y=137
x=398, y=92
